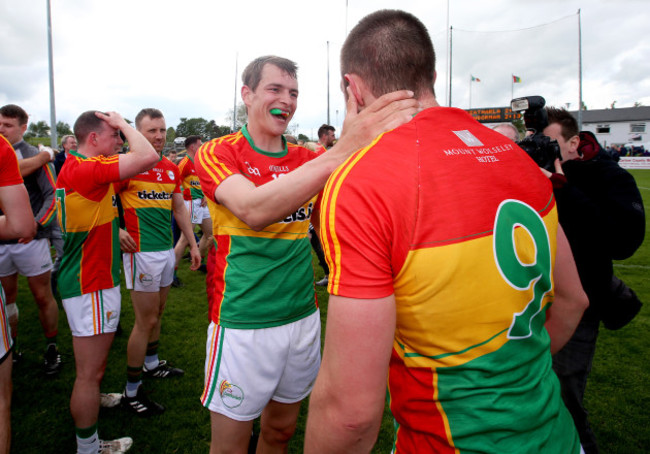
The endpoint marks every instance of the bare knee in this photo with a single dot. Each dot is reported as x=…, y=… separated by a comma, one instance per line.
x=274, y=433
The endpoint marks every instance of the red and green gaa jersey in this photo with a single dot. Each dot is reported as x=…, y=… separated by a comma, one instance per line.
x=147, y=202
x=9, y=171
x=460, y=225
x=265, y=278
x=189, y=179
x=87, y=214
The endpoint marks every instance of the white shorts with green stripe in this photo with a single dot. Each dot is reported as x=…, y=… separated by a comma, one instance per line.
x=247, y=368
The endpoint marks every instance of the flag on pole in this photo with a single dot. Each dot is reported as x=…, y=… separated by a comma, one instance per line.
x=475, y=79
x=516, y=80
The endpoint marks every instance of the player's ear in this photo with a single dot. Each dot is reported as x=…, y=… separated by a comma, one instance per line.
x=357, y=86
x=245, y=94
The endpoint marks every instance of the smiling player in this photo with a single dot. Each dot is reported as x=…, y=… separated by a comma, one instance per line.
x=263, y=346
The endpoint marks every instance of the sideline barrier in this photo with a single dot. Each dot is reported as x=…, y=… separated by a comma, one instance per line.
x=637, y=162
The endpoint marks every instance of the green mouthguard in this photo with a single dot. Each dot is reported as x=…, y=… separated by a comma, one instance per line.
x=276, y=112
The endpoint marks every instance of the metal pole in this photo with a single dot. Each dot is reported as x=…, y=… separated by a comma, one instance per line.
x=328, y=82
x=53, y=133
x=234, y=105
x=448, y=54
x=579, y=72
x=451, y=31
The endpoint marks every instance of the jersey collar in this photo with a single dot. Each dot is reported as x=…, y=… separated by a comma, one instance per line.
x=244, y=131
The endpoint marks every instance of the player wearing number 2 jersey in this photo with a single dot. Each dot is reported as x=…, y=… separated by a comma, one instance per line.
x=441, y=239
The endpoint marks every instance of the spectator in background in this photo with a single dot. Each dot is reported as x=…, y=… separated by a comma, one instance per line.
x=509, y=130
x=68, y=143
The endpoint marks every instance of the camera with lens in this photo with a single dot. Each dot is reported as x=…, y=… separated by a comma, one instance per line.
x=541, y=148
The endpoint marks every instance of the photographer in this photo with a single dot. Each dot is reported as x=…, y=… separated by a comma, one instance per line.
x=601, y=211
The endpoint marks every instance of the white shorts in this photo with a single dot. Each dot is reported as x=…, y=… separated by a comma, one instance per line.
x=94, y=313
x=247, y=368
x=149, y=271
x=197, y=212
x=6, y=342
x=31, y=259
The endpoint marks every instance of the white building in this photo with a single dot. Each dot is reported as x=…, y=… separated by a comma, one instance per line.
x=619, y=126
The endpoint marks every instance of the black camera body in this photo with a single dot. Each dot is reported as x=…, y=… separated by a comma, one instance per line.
x=541, y=148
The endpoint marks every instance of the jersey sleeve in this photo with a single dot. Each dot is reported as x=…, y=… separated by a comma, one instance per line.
x=9, y=171
x=356, y=239
x=177, y=178
x=46, y=181
x=215, y=161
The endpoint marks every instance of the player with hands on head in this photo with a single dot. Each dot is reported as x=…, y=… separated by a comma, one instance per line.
x=89, y=276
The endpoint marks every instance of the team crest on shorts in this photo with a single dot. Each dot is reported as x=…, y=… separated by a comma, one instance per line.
x=145, y=279
x=231, y=395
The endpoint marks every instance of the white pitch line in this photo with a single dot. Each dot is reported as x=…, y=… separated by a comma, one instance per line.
x=643, y=267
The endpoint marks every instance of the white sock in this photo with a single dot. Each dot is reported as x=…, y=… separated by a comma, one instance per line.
x=151, y=362
x=88, y=445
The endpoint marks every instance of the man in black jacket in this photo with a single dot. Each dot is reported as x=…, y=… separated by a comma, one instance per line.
x=601, y=211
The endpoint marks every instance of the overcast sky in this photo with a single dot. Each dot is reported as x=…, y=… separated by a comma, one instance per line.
x=181, y=56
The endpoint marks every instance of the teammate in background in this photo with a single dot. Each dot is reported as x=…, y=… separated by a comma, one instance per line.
x=16, y=221
x=263, y=344
x=326, y=137
x=195, y=202
x=436, y=292
x=90, y=270
x=149, y=199
x=31, y=256
x=509, y=130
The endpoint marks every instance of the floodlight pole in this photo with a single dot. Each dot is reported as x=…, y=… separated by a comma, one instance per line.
x=234, y=104
x=53, y=132
x=450, y=60
x=448, y=54
x=579, y=72
x=328, y=82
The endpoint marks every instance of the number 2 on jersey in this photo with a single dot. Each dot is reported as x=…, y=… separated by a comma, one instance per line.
x=519, y=275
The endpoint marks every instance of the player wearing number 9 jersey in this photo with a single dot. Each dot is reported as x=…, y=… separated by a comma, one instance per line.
x=441, y=240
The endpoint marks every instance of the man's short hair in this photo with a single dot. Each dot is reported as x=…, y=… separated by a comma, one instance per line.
x=390, y=50
x=148, y=112
x=191, y=140
x=322, y=131
x=86, y=123
x=567, y=121
x=252, y=75
x=14, y=111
